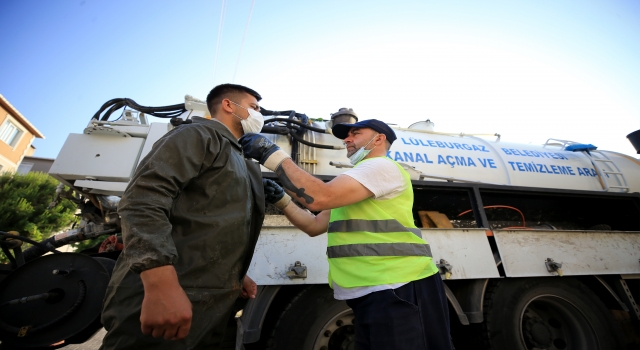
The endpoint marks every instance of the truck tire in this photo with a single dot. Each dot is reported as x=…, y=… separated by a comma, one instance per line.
x=547, y=313
x=314, y=320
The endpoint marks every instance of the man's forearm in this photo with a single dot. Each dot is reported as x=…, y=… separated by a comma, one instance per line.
x=306, y=221
x=303, y=186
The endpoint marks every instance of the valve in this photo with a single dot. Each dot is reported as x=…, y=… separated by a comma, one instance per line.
x=553, y=266
x=297, y=270
x=445, y=268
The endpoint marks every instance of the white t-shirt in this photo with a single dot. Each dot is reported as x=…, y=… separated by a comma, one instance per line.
x=383, y=178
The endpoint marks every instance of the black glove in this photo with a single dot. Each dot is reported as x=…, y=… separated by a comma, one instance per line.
x=272, y=191
x=274, y=194
x=260, y=148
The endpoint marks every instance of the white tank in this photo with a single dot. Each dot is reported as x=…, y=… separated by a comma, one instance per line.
x=441, y=157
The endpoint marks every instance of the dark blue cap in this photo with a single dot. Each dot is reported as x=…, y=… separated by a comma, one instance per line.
x=341, y=131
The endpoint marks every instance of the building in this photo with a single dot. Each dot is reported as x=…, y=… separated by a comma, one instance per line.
x=16, y=136
x=31, y=164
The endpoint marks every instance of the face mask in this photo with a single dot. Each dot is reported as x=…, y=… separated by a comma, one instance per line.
x=361, y=153
x=253, y=123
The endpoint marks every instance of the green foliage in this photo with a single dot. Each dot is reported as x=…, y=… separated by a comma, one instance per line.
x=90, y=243
x=24, y=206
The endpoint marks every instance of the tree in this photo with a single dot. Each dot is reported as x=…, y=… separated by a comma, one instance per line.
x=89, y=243
x=24, y=206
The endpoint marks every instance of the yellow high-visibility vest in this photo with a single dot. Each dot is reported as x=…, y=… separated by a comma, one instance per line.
x=375, y=242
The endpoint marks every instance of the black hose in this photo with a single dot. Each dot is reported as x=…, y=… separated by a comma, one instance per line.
x=268, y=112
x=96, y=116
x=34, y=252
x=12, y=260
x=294, y=147
x=293, y=131
x=312, y=128
x=291, y=123
x=115, y=107
x=34, y=243
x=279, y=130
x=117, y=103
x=30, y=298
x=299, y=139
x=37, y=251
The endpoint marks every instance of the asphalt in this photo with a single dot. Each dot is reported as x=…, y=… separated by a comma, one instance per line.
x=91, y=344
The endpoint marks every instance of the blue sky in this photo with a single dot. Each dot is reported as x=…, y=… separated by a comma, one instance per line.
x=529, y=70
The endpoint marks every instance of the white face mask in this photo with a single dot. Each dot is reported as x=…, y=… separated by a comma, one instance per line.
x=361, y=153
x=253, y=123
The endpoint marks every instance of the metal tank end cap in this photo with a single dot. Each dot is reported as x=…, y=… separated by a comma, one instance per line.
x=344, y=115
x=344, y=111
x=634, y=138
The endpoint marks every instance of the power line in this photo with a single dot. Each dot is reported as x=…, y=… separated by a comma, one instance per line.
x=220, y=27
x=246, y=28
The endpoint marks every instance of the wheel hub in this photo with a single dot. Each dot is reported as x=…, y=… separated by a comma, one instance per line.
x=338, y=333
x=552, y=322
x=538, y=333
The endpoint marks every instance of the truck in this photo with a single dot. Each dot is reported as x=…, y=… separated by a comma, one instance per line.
x=538, y=245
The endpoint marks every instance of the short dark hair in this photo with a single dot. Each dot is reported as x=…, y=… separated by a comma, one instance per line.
x=220, y=92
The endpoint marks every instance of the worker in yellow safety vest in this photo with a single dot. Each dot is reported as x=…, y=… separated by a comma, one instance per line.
x=378, y=261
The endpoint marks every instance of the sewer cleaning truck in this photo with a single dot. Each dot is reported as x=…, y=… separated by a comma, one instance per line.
x=538, y=245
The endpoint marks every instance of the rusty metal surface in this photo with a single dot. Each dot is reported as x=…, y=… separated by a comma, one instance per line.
x=581, y=252
x=280, y=247
x=466, y=250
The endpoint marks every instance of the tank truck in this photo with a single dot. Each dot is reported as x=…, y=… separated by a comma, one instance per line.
x=538, y=245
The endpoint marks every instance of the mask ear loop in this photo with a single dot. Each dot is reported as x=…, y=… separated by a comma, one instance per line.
x=237, y=116
x=374, y=146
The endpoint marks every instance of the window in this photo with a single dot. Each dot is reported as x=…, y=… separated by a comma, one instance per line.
x=24, y=168
x=10, y=133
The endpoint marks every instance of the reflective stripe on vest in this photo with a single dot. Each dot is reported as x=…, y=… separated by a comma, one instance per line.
x=377, y=226
x=379, y=249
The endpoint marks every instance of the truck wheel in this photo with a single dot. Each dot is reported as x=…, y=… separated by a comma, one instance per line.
x=547, y=313
x=314, y=320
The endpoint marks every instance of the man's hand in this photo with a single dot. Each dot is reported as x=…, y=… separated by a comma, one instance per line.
x=275, y=195
x=166, y=310
x=249, y=288
x=260, y=148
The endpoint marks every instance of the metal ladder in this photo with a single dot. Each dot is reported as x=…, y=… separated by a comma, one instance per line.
x=604, y=159
x=604, y=174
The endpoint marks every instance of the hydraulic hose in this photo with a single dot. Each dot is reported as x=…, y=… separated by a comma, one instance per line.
x=299, y=139
x=285, y=120
x=279, y=130
x=51, y=243
x=37, y=251
x=40, y=245
x=284, y=130
x=117, y=103
x=291, y=114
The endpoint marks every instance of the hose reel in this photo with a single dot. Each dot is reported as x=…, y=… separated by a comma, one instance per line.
x=53, y=298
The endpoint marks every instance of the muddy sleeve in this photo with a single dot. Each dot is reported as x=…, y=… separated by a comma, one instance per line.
x=146, y=205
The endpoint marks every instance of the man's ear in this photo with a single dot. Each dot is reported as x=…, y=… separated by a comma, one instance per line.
x=225, y=104
x=382, y=140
